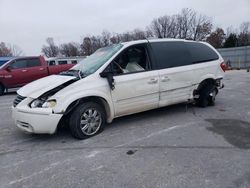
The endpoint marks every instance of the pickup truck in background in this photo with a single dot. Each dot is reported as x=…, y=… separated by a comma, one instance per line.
x=19, y=71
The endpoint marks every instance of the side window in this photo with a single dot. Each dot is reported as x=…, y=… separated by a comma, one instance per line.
x=73, y=62
x=62, y=62
x=52, y=63
x=201, y=52
x=18, y=64
x=33, y=62
x=170, y=54
x=133, y=59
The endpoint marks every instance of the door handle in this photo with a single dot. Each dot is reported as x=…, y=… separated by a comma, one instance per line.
x=41, y=69
x=24, y=70
x=165, y=79
x=153, y=81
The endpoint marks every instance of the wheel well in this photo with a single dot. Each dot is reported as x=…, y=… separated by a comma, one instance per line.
x=202, y=84
x=205, y=82
x=99, y=100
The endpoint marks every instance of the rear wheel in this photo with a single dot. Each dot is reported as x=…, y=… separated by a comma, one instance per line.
x=2, y=89
x=207, y=95
x=87, y=120
x=212, y=96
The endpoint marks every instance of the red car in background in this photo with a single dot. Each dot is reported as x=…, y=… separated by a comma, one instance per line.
x=22, y=70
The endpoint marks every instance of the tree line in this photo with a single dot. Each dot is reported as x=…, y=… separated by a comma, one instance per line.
x=9, y=50
x=188, y=24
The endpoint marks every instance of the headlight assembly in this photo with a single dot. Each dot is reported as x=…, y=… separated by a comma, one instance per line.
x=49, y=104
x=39, y=103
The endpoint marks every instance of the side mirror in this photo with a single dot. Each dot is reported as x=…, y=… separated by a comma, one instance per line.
x=104, y=74
x=110, y=78
x=8, y=69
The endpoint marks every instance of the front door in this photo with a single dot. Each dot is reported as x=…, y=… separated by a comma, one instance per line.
x=136, y=85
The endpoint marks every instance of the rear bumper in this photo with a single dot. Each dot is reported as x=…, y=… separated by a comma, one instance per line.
x=41, y=121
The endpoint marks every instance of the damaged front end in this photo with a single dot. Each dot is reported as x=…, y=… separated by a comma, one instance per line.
x=44, y=100
x=32, y=109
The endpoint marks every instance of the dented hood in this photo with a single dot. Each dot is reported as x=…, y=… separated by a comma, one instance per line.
x=39, y=87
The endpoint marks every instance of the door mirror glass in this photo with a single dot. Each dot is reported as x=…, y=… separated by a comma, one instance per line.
x=106, y=74
x=109, y=74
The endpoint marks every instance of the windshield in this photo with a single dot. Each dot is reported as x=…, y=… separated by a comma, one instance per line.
x=3, y=63
x=92, y=63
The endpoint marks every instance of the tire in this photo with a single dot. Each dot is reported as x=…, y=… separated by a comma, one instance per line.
x=2, y=89
x=212, y=96
x=207, y=96
x=87, y=120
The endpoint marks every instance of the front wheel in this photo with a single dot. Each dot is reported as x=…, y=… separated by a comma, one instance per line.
x=87, y=120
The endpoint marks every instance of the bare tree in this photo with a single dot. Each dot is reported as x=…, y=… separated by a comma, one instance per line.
x=230, y=30
x=184, y=23
x=115, y=38
x=217, y=38
x=244, y=36
x=149, y=33
x=91, y=44
x=201, y=27
x=86, y=46
x=4, y=50
x=164, y=27
x=157, y=29
x=138, y=34
x=245, y=27
x=51, y=50
x=106, y=36
x=16, y=51
x=9, y=50
x=70, y=49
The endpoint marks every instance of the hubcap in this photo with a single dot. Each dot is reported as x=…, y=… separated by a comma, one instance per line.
x=90, y=121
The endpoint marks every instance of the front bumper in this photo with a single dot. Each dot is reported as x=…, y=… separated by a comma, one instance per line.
x=35, y=120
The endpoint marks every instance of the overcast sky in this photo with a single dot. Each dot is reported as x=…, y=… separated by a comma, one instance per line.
x=27, y=23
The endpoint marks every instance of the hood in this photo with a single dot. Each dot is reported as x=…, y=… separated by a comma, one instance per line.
x=41, y=86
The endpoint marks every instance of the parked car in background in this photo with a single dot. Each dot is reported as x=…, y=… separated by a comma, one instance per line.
x=66, y=62
x=125, y=79
x=18, y=71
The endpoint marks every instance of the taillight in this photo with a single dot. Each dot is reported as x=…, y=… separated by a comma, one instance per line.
x=223, y=66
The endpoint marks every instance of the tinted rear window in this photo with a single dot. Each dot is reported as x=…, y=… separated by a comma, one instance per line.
x=201, y=52
x=171, y=54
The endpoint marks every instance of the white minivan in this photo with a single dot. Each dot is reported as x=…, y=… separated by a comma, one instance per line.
x=119, y=80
